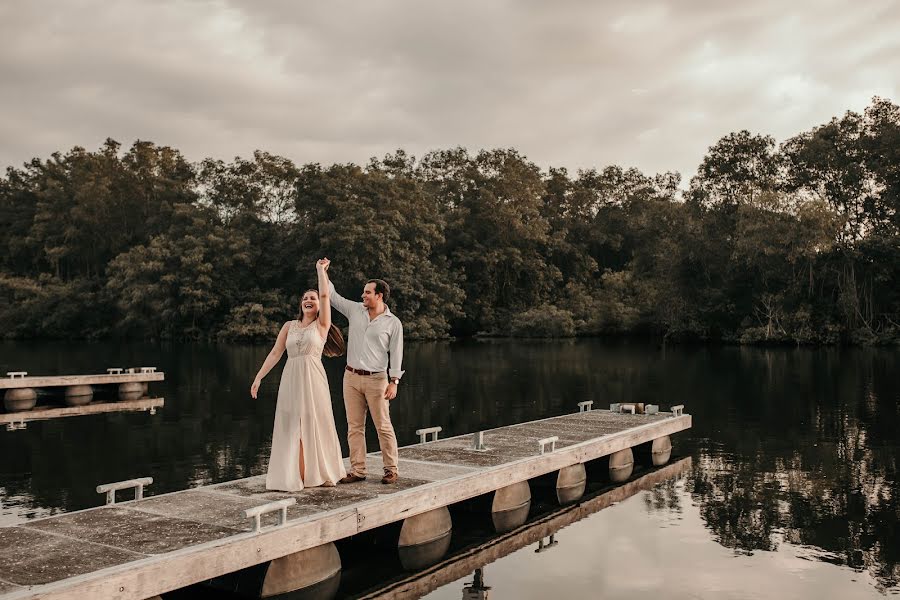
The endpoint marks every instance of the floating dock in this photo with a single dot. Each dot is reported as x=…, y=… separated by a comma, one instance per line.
x=237, y=532
x=21, y=391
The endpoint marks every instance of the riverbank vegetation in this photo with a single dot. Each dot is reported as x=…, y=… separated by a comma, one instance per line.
x=790, y=243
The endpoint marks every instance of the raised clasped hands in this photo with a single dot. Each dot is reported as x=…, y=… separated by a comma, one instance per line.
x=323, y=263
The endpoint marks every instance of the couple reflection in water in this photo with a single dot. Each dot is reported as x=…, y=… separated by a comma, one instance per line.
x=306, y=451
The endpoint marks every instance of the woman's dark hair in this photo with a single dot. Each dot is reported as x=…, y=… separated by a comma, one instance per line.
x=334, y=343
x=381, y=287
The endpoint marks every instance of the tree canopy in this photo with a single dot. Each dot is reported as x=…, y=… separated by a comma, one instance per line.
x=790, y=243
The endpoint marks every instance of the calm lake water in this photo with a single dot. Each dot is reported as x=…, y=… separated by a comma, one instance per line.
x=793, y=490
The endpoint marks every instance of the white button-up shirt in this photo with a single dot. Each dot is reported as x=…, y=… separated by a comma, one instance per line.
x=371, y=340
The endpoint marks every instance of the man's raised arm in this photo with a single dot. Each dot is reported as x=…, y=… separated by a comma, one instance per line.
x=343, y=305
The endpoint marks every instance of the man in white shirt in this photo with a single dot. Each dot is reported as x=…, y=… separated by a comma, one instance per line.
x=376, y=337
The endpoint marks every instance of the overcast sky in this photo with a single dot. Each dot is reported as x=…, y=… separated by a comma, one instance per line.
x=574, y=84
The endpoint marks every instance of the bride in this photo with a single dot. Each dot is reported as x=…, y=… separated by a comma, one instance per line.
x=305, y=447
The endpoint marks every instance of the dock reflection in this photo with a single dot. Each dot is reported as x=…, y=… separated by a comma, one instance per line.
x=541, y=532
x=15, y=421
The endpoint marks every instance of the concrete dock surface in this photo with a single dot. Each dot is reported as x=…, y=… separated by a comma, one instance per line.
x=140, y=548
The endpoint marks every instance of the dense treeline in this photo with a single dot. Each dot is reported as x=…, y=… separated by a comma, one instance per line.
x=797, y=243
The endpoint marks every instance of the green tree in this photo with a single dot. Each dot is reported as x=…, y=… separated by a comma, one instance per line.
x=736, y=170
x=497, y=236
x=90, y=206
x=180, y=283
x=379, y=222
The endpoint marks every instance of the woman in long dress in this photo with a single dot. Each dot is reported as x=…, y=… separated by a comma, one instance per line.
x=305, y=447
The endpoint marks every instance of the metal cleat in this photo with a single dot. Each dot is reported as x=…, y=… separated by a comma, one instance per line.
x=423, y=434
x=585, y=406
x=114, y=371
x=110, y=488
x=257, y=512
x=550, y=441
x=17, y=374
x=148, y=369
x=678, y=410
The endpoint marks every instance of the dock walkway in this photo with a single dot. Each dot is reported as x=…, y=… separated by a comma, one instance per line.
x=142, y=548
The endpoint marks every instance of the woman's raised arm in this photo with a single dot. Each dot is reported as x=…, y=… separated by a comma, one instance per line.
x=324, y=296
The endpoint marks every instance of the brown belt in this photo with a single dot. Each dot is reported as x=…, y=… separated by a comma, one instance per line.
x=361, y=372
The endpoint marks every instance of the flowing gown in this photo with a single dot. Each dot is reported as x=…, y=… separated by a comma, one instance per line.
x=303, y=412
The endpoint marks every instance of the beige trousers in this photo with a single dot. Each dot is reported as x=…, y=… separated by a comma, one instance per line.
x=363, y=392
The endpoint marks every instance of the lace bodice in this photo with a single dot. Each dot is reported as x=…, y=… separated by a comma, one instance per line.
x=304, y=341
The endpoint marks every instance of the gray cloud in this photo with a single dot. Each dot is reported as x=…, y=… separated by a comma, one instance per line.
x=575, y=84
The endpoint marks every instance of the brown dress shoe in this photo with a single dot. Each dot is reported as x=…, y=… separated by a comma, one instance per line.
x=351, y=478
x=390, y=477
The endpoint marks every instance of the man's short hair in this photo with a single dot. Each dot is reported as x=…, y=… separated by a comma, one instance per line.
x=381, y=287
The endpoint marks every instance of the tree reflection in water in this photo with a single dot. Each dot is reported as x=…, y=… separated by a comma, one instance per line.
x=816, y=469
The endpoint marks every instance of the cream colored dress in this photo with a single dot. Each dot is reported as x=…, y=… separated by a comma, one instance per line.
x=304, y=413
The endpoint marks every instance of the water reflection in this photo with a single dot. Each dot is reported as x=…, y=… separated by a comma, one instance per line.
x=469, y=557
x=476, y=590
x=813, y=463
x=791, y=447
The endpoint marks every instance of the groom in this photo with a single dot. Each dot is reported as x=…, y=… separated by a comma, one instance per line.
x=376, y=337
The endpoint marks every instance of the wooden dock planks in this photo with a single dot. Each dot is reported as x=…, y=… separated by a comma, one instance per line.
x=142, y=548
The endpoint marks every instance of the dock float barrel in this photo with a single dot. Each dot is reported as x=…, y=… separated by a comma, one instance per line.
x=79, y=395
x=131, y=391
x=660, y=450
x=305, y=575
x=312, y=574
x=654, y=453
x=621, y=465
x=425, y=538
x=510, y=506
x=19, y=399
x=570, y=484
